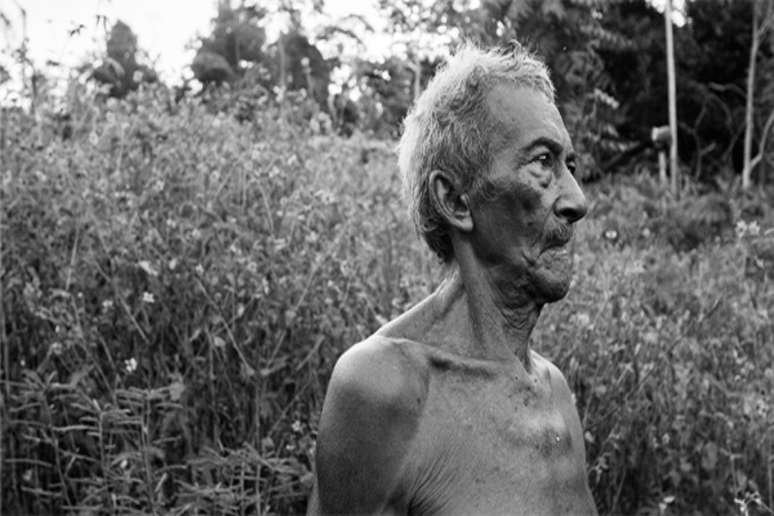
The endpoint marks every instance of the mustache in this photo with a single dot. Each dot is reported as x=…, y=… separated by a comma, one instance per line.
x=560, y=236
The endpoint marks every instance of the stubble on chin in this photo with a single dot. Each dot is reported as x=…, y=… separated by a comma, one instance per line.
x=553, y=274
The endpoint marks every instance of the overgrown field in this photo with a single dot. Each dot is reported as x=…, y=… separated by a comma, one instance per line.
x=177, y=285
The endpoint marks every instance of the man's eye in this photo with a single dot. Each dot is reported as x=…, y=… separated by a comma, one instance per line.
x=572, y=167
x=545, y=159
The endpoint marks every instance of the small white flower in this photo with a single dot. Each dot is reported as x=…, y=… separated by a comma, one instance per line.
x=148, y=268
x=131, y=365
x=252, y=267
x=147, y=297
x=124, y=464
x=199, y=270
x=583, y=319
x=296, y=426
x=107, y=304
x=173, y=264
x=27, y=475
x=56, y=348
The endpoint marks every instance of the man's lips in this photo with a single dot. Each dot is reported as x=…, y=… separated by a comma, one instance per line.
x=560, y=241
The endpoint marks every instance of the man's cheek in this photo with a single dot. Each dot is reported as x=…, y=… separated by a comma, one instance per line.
x=527, y=197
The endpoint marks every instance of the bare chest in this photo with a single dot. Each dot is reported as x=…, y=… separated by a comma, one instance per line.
x=494, y=445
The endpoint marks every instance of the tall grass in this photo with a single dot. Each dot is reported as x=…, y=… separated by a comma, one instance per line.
x=178, y=284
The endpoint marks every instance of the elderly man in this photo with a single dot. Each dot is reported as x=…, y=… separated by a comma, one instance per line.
x=446, y=410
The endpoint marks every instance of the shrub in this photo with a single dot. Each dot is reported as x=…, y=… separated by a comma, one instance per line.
x=177, y=286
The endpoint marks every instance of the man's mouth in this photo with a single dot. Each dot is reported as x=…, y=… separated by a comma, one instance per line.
x=560, y=242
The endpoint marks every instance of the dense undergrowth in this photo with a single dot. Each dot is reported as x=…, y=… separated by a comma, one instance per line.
x=178, y=284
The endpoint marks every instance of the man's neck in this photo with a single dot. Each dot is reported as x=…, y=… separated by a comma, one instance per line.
x=492, y=311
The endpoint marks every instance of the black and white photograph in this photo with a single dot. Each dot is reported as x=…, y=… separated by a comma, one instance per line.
x=395, y=257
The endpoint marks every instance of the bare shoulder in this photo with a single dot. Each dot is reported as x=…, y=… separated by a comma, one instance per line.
x=371, y=413
x=381, y=371
x=564, y=396
x=556, y=378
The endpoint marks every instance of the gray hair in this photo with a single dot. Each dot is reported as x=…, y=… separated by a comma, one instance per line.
x=450, y=129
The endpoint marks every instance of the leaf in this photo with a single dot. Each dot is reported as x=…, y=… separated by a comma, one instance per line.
x=709, y=456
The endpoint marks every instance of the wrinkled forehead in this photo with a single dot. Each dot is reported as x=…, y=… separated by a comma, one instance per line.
x=519, y=114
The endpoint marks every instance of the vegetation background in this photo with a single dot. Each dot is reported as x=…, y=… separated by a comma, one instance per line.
x=182, y=264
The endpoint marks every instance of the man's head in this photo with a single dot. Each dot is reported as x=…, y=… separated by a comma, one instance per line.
x=490, y=167
x=451, y=128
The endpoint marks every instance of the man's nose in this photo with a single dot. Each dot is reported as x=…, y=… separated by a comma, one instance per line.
x=572, y=204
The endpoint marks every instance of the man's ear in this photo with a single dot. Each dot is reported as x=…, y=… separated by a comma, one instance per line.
x=453, y=205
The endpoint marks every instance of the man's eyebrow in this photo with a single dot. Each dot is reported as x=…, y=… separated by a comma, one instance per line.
x=552, y=145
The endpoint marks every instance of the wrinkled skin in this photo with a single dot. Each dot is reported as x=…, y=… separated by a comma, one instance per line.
x=446, y=410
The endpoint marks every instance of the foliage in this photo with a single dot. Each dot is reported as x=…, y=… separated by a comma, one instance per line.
x=174, y=302
x=237, y=37
x=237, y=50
x=393, y=85
x=120, y=70
x=607, y=59
x=666, y=343
x=178, y=284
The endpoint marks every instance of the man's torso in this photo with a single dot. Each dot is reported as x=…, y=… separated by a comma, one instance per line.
x=489, y=442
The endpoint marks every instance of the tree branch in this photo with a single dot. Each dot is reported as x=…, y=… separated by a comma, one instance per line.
x=762, y=144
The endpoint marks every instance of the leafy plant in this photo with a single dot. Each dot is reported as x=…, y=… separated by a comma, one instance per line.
x=178, y=281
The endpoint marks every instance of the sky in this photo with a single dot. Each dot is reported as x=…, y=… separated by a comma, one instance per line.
x=166, y=29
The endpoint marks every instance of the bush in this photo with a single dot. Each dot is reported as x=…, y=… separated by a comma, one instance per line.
x=177, y=286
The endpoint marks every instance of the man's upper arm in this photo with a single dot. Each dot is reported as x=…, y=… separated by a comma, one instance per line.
x=370, y=414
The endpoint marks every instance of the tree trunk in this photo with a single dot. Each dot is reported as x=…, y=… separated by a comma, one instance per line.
x=282, y=66
x=674, y=169
x=748, y=110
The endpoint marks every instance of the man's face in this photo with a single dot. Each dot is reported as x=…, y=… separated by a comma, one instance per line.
x=523, y=216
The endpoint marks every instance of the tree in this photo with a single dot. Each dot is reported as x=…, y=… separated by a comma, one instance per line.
x=237, y=37
x=712, y=53
x=120, y=69
x=294, y=64
x=237, y=50
x=762, y=22
x=393, y=84
x=569, y=35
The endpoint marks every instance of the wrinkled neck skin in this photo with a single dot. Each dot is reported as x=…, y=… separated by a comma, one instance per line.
x=490, y=308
